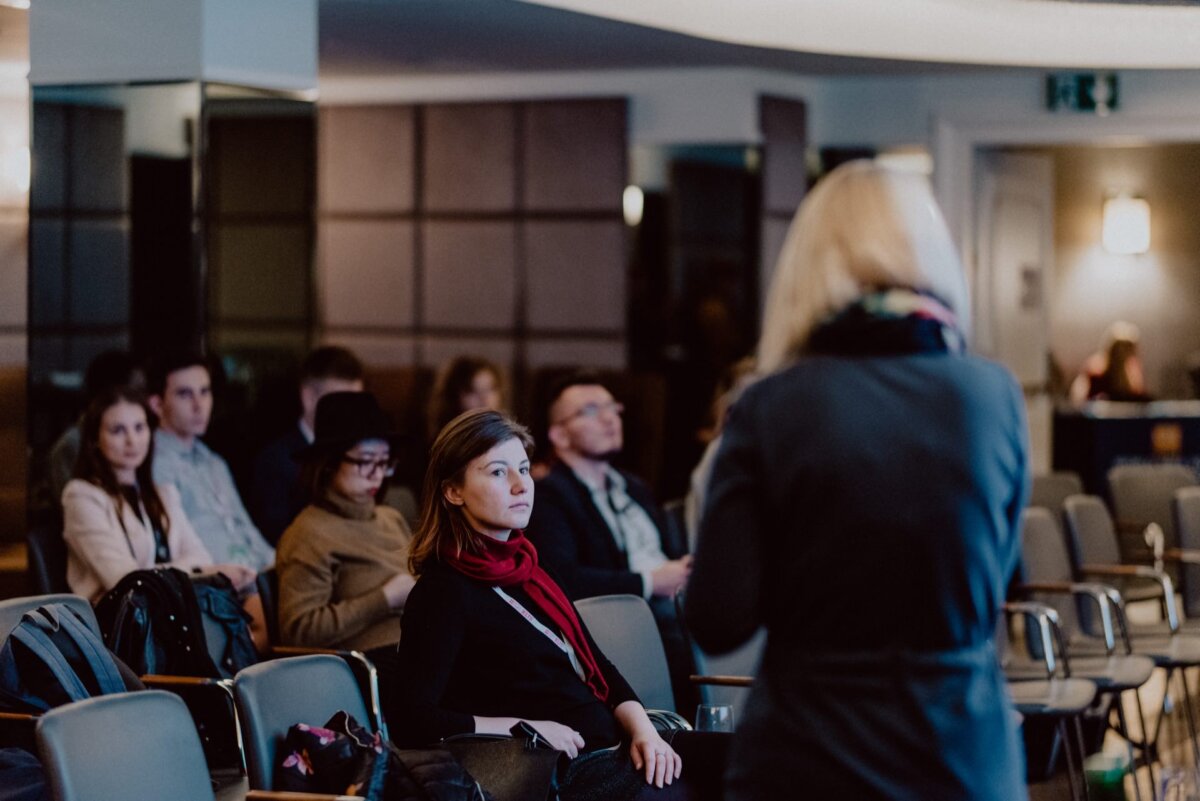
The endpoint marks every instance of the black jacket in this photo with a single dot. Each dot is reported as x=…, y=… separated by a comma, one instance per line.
x=465, y=652
x=574, y=541
x=276, y=496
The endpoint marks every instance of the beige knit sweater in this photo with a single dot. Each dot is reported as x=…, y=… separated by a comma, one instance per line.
x=333, y=561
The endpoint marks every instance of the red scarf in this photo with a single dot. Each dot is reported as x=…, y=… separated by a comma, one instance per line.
x=515, y=564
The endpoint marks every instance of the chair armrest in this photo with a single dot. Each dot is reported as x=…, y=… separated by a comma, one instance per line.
x=1166, y=585
x=1049, y=632
x=1107, y=598
x=723, y=681
x=281, y=795
x=1189, y=556
x=666, y=720
x=171, y=682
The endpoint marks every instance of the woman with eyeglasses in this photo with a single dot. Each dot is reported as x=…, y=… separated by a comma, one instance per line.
x=343, y=562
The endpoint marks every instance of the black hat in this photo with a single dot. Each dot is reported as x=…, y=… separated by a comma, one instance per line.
x=346, y=418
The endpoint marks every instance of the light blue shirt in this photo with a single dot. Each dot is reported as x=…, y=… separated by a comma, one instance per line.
x=211, y=501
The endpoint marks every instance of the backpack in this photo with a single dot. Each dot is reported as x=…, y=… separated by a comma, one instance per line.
x=226, y=624
x=155, y=621
x=52, y=657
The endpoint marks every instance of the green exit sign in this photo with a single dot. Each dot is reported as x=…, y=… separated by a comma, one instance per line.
x=1089, y=92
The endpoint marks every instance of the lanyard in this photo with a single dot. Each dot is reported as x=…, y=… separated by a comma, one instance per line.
x=562, y=644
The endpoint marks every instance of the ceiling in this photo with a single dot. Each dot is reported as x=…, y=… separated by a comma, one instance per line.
x=1101, y=34
x=372, y=37
x=407, y=37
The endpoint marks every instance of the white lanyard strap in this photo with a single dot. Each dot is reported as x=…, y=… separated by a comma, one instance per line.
x=562, y=644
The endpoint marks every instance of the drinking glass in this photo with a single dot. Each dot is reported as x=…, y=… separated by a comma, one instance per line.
x=714, y=717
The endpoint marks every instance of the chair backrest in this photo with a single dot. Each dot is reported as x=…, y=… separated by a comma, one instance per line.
x=268, y=593
x=274, y=695
x=1185, y=506
x=12, y=610
x=47, y=559
x=121, y=747
x=744, y=660
x=1141, y=494
x=623, y=627
x=1092, y=537
x=1051, y=489
x=1044, y=559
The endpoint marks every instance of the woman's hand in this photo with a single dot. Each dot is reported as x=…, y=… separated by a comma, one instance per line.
x=240, y=576
x=648, y=751
x=560, y=737
x=654, y=755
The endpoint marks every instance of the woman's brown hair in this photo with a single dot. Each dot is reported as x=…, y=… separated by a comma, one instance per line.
x=91, y=465
x=463, y=439
x=453, y=381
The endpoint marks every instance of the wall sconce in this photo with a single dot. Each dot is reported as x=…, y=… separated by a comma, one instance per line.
x=1126, y=230
x=633, y=203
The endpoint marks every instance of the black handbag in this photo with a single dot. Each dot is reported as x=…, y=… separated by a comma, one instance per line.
x=520, y=767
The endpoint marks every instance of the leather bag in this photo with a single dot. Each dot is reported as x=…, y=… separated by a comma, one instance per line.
x=520, y=767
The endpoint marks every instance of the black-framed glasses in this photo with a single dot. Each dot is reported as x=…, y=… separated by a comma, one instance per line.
x=367, y=467
x=590, y=411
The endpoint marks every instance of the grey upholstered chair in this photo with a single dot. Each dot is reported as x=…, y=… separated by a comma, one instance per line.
x=624, y=628
x=13, y=609
x=121, y=747
x=1051, y=489
x=274, y=695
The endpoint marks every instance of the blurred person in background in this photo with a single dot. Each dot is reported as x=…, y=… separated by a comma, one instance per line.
x=276, y=494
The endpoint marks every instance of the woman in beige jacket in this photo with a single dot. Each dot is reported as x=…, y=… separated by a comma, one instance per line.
x=115, y=520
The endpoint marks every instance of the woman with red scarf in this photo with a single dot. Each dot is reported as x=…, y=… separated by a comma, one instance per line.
x=490, y=639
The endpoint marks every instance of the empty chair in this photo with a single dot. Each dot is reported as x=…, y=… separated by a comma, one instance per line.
x=47, y=559
x=1185, y=508
x=274, y=695
x=624, y=628
x=1092, y=540
x=1056, y=696
x=121, y=747
x=1141, y=494
x=1051, y=489
x=1103, y=658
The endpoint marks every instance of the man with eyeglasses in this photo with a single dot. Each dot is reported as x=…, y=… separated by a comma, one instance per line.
x=181, y=396
x=599, y=528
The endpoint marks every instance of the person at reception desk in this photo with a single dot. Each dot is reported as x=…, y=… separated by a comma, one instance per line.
x=1115, y=371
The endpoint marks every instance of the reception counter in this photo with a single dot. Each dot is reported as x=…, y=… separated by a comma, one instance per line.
x=1091, y=439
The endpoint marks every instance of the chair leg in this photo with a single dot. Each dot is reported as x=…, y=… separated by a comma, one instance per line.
x=1149, y=747
x=1082, y=753
x=1190, y=717
x=1123, y=728
x=1061, y=727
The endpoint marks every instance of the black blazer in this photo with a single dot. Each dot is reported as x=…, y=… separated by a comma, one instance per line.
x=573, y=540
x=276, y=496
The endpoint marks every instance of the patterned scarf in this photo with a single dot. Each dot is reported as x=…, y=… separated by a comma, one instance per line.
x=889, y=322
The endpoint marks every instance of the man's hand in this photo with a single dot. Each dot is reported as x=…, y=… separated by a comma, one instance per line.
x=240, y=576
x=672, y=575
x=397, y=589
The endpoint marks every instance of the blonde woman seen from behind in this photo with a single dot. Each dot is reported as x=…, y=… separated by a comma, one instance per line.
x=864, y=508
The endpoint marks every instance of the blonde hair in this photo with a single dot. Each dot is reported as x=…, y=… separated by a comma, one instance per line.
x=864, y=227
